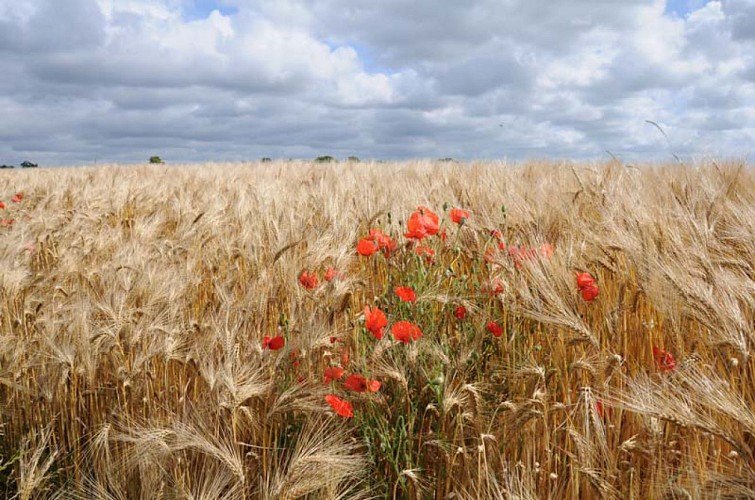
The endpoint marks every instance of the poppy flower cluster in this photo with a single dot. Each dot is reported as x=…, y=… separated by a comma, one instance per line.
x=587, y=287
x=664, y=361
x=273, y=343
x=422, y=223
x=376, y=240
x=522, y=254
x=310, y=281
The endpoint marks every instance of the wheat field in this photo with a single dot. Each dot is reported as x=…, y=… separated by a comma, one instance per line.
x=210, y=331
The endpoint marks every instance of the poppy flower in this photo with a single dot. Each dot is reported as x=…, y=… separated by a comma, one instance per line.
x=17, y=197
x=334, y=339
x=493, y=287
x=406, y=294
x=375, y=321
x=308, y=280
x=494, y=328
x=358, y=383
x=404, y=331
x=584, y=280
x=273, y=343
x=590, y=293
x=333, y=373
x=384, y=242
x=546, y=250
x=460, y=312
x=341, y=407
x=490, y=255
x=664, y=361
x=332, y=274
x=428, y=253
x=602, y=410
x=7, y=222
x=443, y=236
x=2, y=205
x=423, y=222
x=366, y=247
x=294, y=356
x=459, y=216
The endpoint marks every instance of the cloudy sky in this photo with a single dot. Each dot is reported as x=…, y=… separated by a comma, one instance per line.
x=195, y=80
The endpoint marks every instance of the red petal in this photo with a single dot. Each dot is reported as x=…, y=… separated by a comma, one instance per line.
x=341, y=407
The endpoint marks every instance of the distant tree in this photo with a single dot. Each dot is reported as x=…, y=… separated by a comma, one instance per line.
x=28, y=164
x=155, y=160
x=325, y=159
x=266, y=160
x=447, y=160
x=6, y=166
x=353, y=159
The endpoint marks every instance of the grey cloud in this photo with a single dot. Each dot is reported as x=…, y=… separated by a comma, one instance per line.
x=742, y=16
x=481, y=79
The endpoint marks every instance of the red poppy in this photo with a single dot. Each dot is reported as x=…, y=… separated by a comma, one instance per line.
x=602, y=410
x=460, y=312
x=423, y=222
x=341, y=407
x=406, y=294
x=2, y=205
x=366, y=247
x=459, y=216
x=590, y=293
x=332, y=274
x=273, y=343
x=584, y=280
x=546, y=250
x=294, y=359
x=428, y=252
x=404, y=331
x=664, y=361
x=494, y=328
x=7, y=222
x=383, y=241
x=493, y=287
x=358, y=383
x=18, y=197
x=333, y=373
x=375, y=321
x=334, y=339
x=308, y=280
x=443, y=236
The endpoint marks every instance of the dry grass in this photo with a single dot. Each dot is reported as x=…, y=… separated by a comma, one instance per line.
x=135, y=301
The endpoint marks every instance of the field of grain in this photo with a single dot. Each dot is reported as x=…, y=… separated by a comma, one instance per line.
x=211, y=331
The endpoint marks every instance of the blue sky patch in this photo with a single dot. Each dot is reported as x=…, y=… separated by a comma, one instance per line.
x=201, y=9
